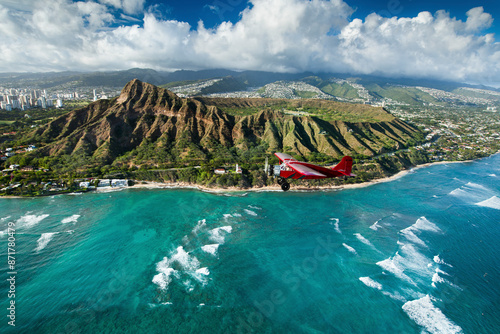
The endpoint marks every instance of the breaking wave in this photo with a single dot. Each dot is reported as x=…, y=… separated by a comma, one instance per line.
x=199, y=226
x=427, y=315
x=250, y=212
x=72, y=219
x=363, y=239
x=178, y=262
x=28, y=221
x=44, y=240
x=371, y=283
x=211, y=249
x=493, y=202
x=375, y=226
x=350, y=249
x=438, y=260
x=335, y=222
x=472, y=192
x=218, y=234
x=422, y=224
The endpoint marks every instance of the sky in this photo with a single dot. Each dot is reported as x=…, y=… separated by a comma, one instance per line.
x=440, y=39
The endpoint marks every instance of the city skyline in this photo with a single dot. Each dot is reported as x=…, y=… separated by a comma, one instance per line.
x=438, y=39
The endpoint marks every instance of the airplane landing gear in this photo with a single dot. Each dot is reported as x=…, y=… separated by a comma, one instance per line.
x=285, y=186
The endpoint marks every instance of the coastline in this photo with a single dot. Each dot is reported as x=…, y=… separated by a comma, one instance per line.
x=277, y=188
x=139, y=184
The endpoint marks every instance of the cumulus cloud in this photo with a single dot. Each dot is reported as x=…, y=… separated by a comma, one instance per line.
x=271, y=35
x=128, y=6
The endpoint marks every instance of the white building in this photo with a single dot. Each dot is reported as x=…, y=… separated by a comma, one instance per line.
x=119, y=183
x=84, y=184
x=104, y=183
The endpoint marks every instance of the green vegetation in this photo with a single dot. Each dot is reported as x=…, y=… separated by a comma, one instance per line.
x=409, y=95
x=143, y=139
x=326, y=110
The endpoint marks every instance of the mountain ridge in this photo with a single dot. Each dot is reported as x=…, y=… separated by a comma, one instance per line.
x=147, y=118
x=46, y=80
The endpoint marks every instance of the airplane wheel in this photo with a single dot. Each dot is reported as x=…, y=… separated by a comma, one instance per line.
x=285, y=186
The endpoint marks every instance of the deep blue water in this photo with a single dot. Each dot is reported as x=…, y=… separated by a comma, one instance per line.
x=417, y=254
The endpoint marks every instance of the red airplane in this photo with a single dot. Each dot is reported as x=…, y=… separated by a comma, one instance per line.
x=298, y=170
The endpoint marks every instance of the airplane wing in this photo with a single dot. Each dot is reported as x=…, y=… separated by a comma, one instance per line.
x=306, y=171
x=284, y=156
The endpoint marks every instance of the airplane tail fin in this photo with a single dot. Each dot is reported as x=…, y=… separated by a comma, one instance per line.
x=344, y=166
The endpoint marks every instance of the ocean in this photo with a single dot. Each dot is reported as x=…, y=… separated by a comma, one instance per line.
x=419, y=254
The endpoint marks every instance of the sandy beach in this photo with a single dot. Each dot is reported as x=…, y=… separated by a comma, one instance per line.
x=276, y=187
x=138, y=184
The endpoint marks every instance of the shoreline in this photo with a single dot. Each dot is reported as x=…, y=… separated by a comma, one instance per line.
x=139, y=184
x=277, y=188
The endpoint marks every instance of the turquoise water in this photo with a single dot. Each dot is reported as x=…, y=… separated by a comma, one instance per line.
x=418, y=254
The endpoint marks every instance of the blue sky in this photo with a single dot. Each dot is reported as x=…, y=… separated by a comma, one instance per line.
x=229, y=10
x=440, y=39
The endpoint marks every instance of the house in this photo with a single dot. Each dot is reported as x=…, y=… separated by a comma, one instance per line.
x=119, y=183
x=238, y=169
x=84, y=184
x=104, y=183
x=220, y=171
x=14, y=166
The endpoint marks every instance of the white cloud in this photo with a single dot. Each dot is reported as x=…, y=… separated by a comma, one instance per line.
x=129, y=6
x=423, y=46
x=271, y=35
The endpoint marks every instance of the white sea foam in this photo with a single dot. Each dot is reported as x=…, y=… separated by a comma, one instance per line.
x=413, y=260
x=203, y=271
x=179, y=260
x=236, y=215
x=184, y=260
x=335, y=222
x=425, y=314
x=393, y=266
x=199, y=226
x=227, y=216
x=411, y=236
x=254, y=207
x=371, y=283
x=71, y=219
x=438, y=279
x=163, y=279
x=218, y=234
x=375, y=226
x=200, y=275
x=28, y=221
x=363, y=239
x=349, y=248
x=211, y=249
x=422, y=224
x=438, y=260
x=250, y=212
x=376, y=285
x=493, y=202
x=472, y=192
x=44, y=240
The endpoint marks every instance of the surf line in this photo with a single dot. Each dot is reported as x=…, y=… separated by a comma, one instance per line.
x=292, y=279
